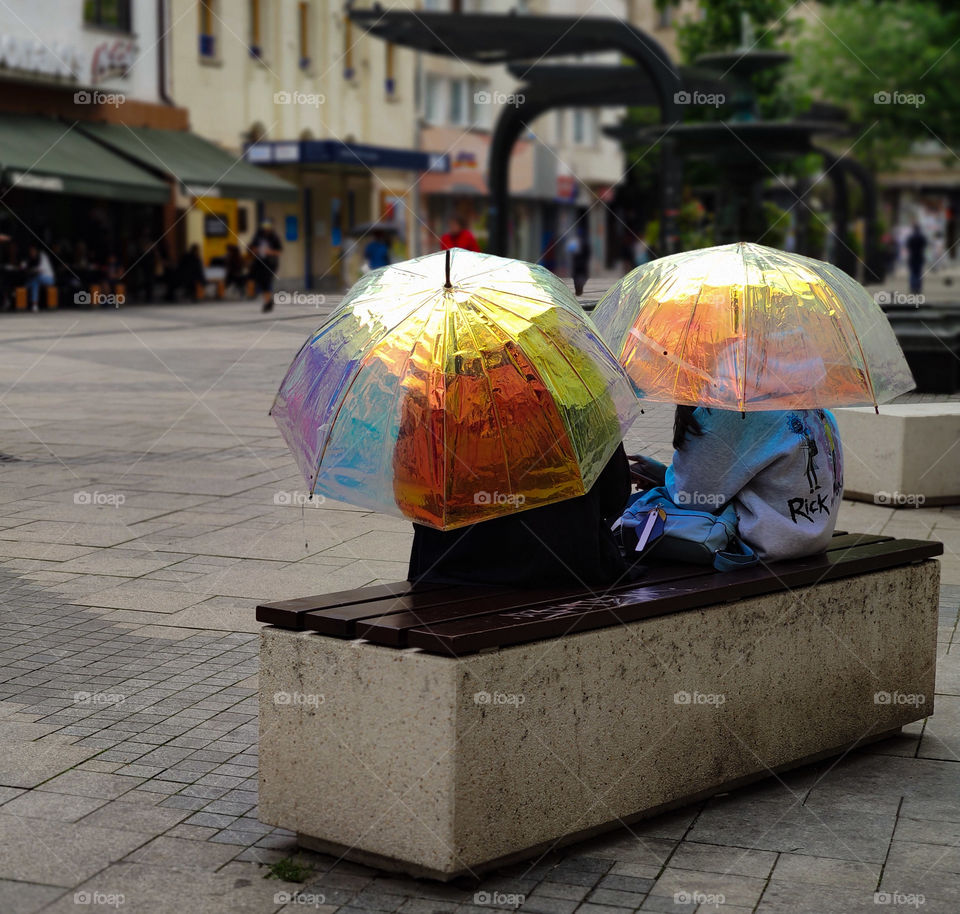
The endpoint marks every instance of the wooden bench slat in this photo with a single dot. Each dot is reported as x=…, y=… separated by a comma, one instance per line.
x=336, y=613
x=536, y=623
x=341, y=621
x=288, y=613
x=387, y=622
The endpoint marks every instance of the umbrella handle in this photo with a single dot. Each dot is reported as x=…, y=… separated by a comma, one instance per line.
x=447, y=284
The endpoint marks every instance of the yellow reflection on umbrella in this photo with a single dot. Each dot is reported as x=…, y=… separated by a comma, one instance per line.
x=453, y=390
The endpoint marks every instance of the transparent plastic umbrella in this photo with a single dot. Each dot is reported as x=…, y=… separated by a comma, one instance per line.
x=454, y=389
x=747, y=327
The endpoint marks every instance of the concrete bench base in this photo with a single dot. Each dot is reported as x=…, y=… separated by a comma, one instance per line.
x=439, y=766
x=906, y=457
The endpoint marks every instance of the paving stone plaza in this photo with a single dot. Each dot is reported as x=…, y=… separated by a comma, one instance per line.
x=149, y=503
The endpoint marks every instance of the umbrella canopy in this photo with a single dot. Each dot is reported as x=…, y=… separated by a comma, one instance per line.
x=454, y=389
x=748, y=327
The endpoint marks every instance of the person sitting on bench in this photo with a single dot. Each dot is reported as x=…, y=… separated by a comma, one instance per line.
x=783, y=470
x=566, y=543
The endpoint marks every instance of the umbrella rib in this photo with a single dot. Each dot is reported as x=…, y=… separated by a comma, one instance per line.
x=493, y=404
x=549, y=340
x=362, y=363
x=742, y=380
x=686, y=332
x=863, y=359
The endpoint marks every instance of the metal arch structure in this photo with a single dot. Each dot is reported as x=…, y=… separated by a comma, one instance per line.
x=506, y=39
x=839, y=168
x=546, y=88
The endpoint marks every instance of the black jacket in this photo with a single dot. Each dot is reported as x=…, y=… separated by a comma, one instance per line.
x=567, y=543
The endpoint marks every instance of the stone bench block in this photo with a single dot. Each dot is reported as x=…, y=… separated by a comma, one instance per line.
x=908, y=456
x=439, y=766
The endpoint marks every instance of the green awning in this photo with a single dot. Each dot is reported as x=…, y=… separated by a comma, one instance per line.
x=41, y=153
x=202, y=168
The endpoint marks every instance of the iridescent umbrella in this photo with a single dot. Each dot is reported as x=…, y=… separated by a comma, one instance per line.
x=748, y=327
x=454, y=389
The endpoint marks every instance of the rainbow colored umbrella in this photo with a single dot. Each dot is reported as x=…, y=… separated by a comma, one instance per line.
x=454, y=389
x=748, y=327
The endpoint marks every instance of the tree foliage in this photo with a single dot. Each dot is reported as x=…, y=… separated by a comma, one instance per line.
x=893, y=64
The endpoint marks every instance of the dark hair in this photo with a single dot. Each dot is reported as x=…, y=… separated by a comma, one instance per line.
x=684, y=423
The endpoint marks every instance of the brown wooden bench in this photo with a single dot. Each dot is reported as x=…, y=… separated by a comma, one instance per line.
x=447, y=730
x=463, y=620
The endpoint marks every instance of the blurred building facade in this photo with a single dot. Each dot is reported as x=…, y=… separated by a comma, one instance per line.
x=66, y=68
x=370, y=133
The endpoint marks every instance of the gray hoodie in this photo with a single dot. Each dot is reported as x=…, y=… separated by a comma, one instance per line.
x=783, y=471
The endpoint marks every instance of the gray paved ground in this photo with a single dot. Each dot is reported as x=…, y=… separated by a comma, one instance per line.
x=148, y=504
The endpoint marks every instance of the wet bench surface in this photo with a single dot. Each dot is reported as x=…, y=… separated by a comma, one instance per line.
x=463, y=620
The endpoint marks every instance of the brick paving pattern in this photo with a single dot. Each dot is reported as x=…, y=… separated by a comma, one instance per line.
x=128, y=662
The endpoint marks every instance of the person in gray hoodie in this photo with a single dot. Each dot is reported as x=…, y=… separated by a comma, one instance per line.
x=783, y=471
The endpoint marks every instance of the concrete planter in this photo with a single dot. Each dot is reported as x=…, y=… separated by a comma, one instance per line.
x=439, y=766
x=906, y=457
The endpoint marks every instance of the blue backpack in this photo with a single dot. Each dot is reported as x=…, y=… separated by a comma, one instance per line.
x=684, y=535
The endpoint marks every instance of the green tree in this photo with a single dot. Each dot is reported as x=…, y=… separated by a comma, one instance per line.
x=894, y=65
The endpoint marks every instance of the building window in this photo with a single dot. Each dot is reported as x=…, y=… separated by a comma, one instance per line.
x=433, y=99
x=584, y=126
x=206, y=29
x=560, y=126
x=481, y=103
x=108, y=14
x=304, y=23
x=348, y=70
x=459, y=111
x=389, y=68
x=665, y=18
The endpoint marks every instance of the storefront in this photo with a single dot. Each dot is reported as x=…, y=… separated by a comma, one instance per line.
x=215, y=192
x=343, y=188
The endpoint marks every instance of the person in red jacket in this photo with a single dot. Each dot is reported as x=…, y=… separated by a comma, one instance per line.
x=459, y=236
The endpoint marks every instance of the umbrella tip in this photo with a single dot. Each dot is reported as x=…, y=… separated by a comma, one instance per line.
x=448, y=284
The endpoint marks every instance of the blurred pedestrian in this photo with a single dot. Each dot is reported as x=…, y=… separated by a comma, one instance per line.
x=916, y=245
x=265, y=247
x=236, y=270
x=548, y=258
x=580, y=252
x=459, y=236
x=191, y=273
x=377, y=252
x=39, y=272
